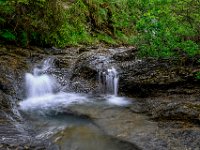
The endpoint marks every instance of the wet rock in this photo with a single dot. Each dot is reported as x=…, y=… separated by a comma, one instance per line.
x=12, y=68
x=175, y=111
x=81, y=85
x=168, y=92
x=14, y=131
x=139, y=77
x=5, y=101
x=87, y=67
x=127, y=54
x=83, y=49
x=173, y=108
x=125, y=125
x=85, y=138
x=190, y=138
x=149, y=77
x=143, y=78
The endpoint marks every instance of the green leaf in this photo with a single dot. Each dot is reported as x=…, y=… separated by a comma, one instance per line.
x=7, y=35
x=2, y=1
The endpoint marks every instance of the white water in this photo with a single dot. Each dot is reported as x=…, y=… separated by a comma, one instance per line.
x=52, y=101
x=119, y=101
x=39, y=85
x=41, y=91
x=41, y=94
x=112, y=81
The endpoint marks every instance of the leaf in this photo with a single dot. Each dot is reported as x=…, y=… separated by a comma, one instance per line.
x=8, y=35
x=2, y=1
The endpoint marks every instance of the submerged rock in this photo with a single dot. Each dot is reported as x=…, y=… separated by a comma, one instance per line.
x=135, y=128
x=87, y=138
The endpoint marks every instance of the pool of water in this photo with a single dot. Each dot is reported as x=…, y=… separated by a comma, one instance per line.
x=71, y=130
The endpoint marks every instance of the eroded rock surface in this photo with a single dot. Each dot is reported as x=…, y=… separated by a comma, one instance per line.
x=139, y=77
x=166, y=90
x=14, y=131
x=126, y=125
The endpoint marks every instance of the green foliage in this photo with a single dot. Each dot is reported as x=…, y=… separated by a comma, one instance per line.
x=29, y=22
x=190, y=48
x=106, y=39
x=24, y=38
x=7, y=35
x=159, y=28
x=198, y=75
x=164, y=28
x=154, y=39
x=96, y=21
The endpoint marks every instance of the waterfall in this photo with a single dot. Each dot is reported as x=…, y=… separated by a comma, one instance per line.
x=112, y=80
x=39, y=83
x=109, y=79
x=43, y=94
x=41, y=91
x=47, y=64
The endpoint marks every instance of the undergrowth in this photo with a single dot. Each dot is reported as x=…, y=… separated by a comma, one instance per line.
x=156, y=27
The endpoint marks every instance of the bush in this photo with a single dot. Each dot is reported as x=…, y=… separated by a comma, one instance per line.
x=162, y=30
x=190, y=48
x=29, y=22
x=156, y=27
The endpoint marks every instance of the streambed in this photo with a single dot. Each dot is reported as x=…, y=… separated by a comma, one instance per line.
x=172, y=101
x=80, y=121
x=85, y=126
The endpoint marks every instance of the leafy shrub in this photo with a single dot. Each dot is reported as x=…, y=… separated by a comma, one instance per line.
x=190, y=48
x=27, y=21
x=162, y=30
x=156, y=27
x=156, y=38
x=198, y=75
x=7, y=35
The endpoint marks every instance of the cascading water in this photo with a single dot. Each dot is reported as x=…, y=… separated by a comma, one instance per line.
x=38, y=85
x=48, y=107
x=112, y=81
x=43, y=94
x=41, y=91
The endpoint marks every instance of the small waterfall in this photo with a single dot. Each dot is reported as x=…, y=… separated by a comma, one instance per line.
x=41, y=91
x=39, y=83
x=109, y=79
x=43, y=94
x=47, y=64
x=112, y=80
